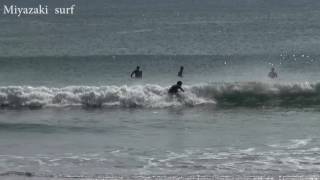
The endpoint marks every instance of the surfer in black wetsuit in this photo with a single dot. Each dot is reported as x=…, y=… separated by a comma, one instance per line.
x=137, y=73
x=175, y=88
x=272, y=74
x=180, y=73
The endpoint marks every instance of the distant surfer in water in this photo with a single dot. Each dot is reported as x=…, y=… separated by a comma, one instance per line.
x=272, y=74
x=180, y=73
x=174, y=90
x=137, y=73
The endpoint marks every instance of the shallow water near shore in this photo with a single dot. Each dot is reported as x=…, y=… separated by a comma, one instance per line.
x=100, y=143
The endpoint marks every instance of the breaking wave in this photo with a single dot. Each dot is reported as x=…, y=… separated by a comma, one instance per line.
x=155, y=96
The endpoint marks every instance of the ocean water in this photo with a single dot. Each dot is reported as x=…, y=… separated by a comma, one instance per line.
x=69, y=109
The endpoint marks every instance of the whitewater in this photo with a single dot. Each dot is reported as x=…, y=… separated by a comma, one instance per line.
x=84, y=117
x=69, y=109
x=155, y=96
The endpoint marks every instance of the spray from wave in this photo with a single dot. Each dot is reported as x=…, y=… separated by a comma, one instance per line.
x=155, y=96
x=149, y=96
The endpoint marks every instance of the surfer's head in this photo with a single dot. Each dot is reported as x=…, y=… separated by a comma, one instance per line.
x=179, y=83
x=138, y=67
x=272, y=69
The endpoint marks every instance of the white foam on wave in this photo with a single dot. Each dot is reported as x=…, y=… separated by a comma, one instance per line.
x=296, y=143
x=156, y=96
x=150, y=96
x=293, y=144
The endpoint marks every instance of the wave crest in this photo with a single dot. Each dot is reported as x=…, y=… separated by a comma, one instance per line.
x=149, y=96
x=262, y=94
x=155, y=96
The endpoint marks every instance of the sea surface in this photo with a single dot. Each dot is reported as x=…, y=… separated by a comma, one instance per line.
x=69, y=109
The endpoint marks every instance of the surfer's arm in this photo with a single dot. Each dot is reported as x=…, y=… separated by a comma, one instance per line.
x=132, y=74
x=181, y=89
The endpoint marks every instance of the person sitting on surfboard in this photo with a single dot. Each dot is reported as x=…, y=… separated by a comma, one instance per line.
x=175, y=88
x=137, y=73
x=180, y=73
x=272, y=74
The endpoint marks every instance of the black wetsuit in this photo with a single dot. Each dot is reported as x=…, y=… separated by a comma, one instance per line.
x=175, y=89
x=137, y=73
x=273, y=75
